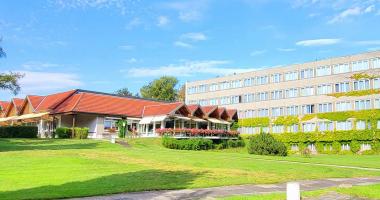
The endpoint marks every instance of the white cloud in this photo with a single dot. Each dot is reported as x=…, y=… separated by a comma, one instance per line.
x=285, y=49
x=257, y=52
x=186, y=68
x=351, y=12
x=162, y=21
x=368, y=42
x=182, y=44
x=188, y=10
x=132, y=60
x=193, y=36
x=369, y=9
x=133, y=23
x=121, y=5
x=319, y=42
x=127, y=47
x=42, y=82
x=36, y=65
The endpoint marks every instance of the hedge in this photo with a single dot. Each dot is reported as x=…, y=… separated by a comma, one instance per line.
x=66, y=132
x=18, y=132
x=200, y=143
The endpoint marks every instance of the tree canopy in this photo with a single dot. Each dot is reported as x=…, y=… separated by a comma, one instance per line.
x=161, y=89
x=9, y=81
x=124, y=92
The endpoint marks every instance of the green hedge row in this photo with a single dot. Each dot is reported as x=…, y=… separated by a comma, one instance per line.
x=200, y=143
x=18, y=132
x=66, y=132
x=266, y=144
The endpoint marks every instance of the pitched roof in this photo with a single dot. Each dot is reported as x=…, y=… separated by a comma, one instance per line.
x=49, y=102
x=4, y=105
x=18, y=103
x=232, y=113
x=162, y=109
x=193, y=107
x=107, y=104
x=35, y=100
x=208, y=109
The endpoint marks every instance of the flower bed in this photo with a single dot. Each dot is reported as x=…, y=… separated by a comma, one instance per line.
x=196, y=132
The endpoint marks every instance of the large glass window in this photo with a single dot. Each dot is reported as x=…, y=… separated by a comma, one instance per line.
x=377, y=103
x=376, y=83
x=202, y=88
x=262, y=96
x=236, y=84
x=110, y=124
x=290, y=76
x=307, y=73
x=324, y=89
x=225, y=100
x=363, y=104
x=214, y=101
x=276, y=78
x=263, y=113
x=203, y=102
x=276, y=112
x=293, y=128
x=290, y=93
x=361, y=85
x=261, y=80
x=325, y=126
x=248, y=82
x=236, y=99
x=213, y=87
x=308, y=127
x=248, y=98
x=325, y=107
x=249, y=113
x=342, y=87
x=323, y=71
x=376, y=63
x=277, y=129
x=344, y=126
x=191, y=90
x=343, y=106
x=341, y=68
x=360, y=65
x=308, y=109
x=276, y=94
x=360, y=125
x=307, y=91
x=292, y=110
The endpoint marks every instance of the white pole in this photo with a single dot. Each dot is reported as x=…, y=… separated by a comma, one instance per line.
x=293, y=191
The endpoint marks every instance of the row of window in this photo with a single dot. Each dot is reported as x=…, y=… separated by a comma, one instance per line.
x=288, y=76
x=322, y=89
x=311, y=127
x=364, y=104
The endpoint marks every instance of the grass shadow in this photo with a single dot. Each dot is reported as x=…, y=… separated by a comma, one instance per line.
x=43, y=144
x=116, y=183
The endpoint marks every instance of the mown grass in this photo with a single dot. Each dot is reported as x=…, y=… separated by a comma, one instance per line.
x=40, y=169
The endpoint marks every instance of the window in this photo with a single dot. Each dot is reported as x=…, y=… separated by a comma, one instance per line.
x=341, y=68
x=214, y=101
x=376, y=63
x=377, y=103
x=261, y=80
x=213, y=87
x=292, y=110
x=361, y=85
x=236, y=84
x=307, y=73
x=276, y=112
x=363, y=104
x=262, y=96
x=248, y=98
x=378, y=124
x=265, y=129
x=276, y=94
x=324, y=89
x=249, y=114
x=345, y=147
x=343, y=106
x=224, y=85
x=342, y=87
x=360, y=125
x=263, y=113
x=248, y=82
x=203, y=102
x=325, y=126
x=360, y=65
x=191, y=90
x=290, y=93
x=307, y=91
x=323, y=71
x=291, y=76
x=308, y=127
x=241, y=114
x=276, y=78
x=294, y=147
x=110, y=124
x=365, y=147
x=235, y=99
x=325, y=107
x=293, y=128
x=376, y=83
x=225, y=100
x=277, y=129
x=343, y=126
x=308, y=109
x=312, y=147
x=202, y=88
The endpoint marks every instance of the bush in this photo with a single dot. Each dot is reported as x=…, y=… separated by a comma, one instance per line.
x=18, y=132
x=354, y=146
x=306, y=152
x=80, y=133
x=265, y=144
x=63, y=132
x=187, y=144
x=336, y=147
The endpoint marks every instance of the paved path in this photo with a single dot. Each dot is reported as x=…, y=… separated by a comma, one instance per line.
x=211, y=193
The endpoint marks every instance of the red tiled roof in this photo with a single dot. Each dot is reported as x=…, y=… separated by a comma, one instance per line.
x=35, y=100
x=193, y=107
x=4, y=105
x=49, y=102
x=231, y=112
x=162, y=109
x=18, y=103
x=208, y=109
x=88, y=102
x=221, y=110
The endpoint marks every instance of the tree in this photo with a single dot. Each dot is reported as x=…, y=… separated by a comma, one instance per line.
x=161, y=89
x=181, y=93
x=124, y=92
x=9, y=81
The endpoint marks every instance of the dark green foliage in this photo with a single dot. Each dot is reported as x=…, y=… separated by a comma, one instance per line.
x=354, y=146
x=187, y=144
x=80, y=133
x=18, y=132
x=161, y=89
x=336, y=147
x=63, y=132
x=265, y=144
x=122, y=125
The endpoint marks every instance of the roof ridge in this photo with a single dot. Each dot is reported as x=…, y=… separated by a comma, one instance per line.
x=41, y=102
x=75, y=105
x=128, y=97
x=178, y=107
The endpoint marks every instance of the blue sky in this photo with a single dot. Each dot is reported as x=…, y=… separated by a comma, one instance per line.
x=104, y=45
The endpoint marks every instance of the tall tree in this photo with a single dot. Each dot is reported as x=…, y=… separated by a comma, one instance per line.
x=9, y=81
x=124, y=92
x=181, y=93
x=161, y=89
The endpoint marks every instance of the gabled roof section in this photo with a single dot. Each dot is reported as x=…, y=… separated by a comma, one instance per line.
x=33, y=101
x=223, y=113
x=3, y=107
x=232, y=113
x=210, y=111
x=106, y=104
x=16, y=105
x=196, y=110
x=49, y=102
x=166, y=109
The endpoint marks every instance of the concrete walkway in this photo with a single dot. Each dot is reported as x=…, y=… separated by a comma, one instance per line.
x=211, y=193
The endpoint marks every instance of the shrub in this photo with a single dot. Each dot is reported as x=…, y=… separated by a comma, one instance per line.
x=336, y=147
x=306, y=152
x=375, y=146
x=63, y=132
x=80, y=133
x=18, y=132
x=265, y=144
x=354, y=146
x=187, y=144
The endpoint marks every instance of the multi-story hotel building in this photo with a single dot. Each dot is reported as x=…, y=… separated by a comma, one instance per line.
x=297, y=89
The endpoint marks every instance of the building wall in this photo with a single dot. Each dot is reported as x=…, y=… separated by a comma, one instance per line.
x=93, y=122
x=283, y=85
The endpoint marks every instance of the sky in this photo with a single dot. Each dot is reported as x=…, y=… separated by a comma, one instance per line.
x=105, y=45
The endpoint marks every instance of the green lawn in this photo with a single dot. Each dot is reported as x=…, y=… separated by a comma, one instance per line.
x=35, y=169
